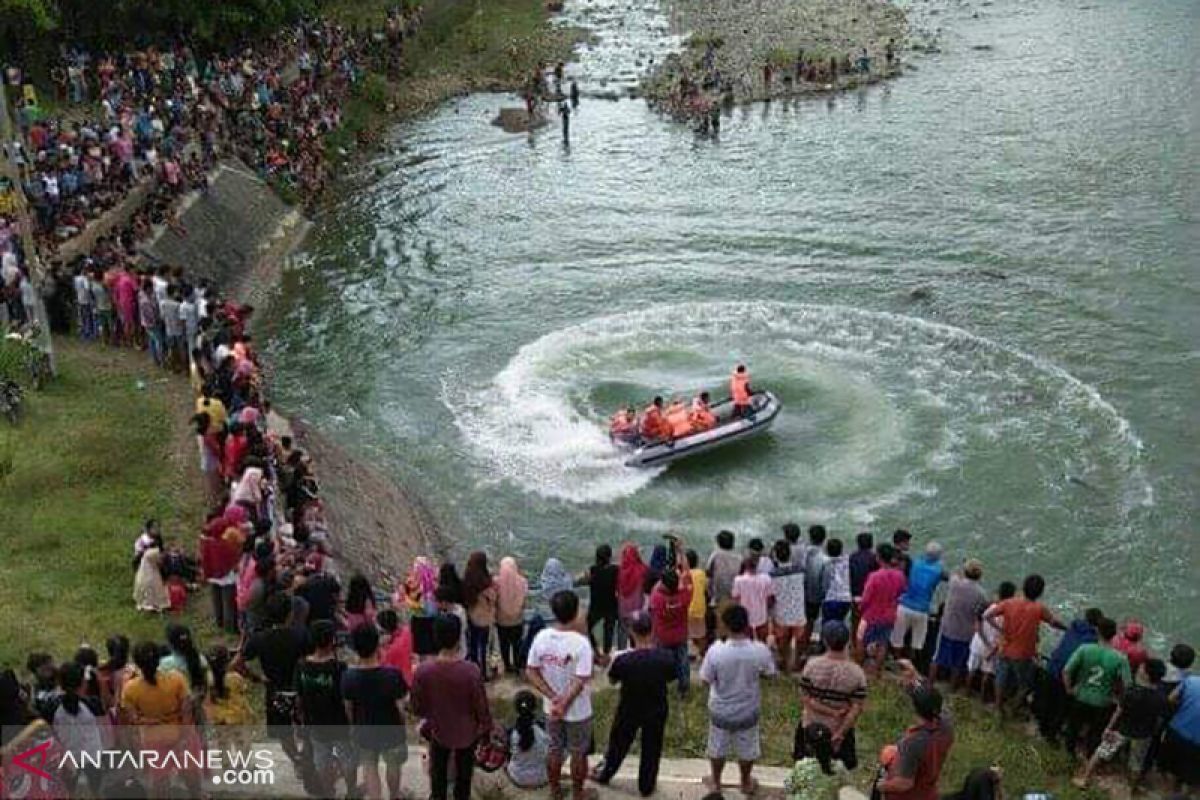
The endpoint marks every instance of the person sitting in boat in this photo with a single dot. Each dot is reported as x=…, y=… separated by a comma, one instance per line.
x=678, y=419
x=624, y=424
x=739, y=389
x=654, y=424
x=701, y=415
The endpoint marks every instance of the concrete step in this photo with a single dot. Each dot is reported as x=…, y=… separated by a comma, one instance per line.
x=678, y=779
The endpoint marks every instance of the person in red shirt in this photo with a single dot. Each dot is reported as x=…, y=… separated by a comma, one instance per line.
x=1023, y=617
x=880, y=598
x=669, y=604
x=1129, y=642
x=397, y=650
x=914, y=772
x=219, y=557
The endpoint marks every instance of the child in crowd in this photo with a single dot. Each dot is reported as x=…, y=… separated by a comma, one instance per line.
x=46, y=694
x=836, y=583
x=753, y=589
x=396, y=645
x=698, y=610
x=528, y=745
x=981, y=663
x=1133, y=726
x=226, y=705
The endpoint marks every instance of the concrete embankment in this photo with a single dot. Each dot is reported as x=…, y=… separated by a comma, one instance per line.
x=239, y=234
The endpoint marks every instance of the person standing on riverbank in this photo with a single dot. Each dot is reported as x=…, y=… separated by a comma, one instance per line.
x=601, y=580
x=1095, y=677
x=922, y=750
x=733, y=670
x=373, y=695
x=1023, y=617
x=560, y=669
x=833, y=692
x=669, y=603
x=643, y=674
x=965, y=601
x=511, y=590
x=881, y=596
x=448, y=693
x=479, y=599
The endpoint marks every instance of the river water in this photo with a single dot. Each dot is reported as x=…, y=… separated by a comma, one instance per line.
x=974, y=289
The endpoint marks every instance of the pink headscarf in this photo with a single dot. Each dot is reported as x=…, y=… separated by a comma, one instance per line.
x=511, y=585
x=418, y=587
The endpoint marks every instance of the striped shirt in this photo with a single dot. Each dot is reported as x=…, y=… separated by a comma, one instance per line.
x=834, y=682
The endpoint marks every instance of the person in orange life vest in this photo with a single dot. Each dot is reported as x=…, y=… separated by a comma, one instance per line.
x=701, y=415
x=623, y=424
x=739, y=389
x=654, y=426
x=677, y=418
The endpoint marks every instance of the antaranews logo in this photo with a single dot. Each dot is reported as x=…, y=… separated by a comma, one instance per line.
x=43, y=768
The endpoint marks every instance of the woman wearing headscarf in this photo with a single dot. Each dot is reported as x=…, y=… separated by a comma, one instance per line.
x=418, y=595
x=631, y=595
x=511, y=590
x=249, y=492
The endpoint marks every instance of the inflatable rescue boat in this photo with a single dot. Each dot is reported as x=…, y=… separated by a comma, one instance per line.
x=765, y=407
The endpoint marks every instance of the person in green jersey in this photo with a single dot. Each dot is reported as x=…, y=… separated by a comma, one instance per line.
x=1095, y=677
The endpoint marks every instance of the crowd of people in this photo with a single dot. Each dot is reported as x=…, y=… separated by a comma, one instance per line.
x=343, y=669
x=697, y=90
x=164, y=116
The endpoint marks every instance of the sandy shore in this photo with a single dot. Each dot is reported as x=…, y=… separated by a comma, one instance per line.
x=731, y=41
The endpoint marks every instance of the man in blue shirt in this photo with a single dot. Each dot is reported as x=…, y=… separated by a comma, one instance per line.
x=1180, y=754
x=913, y=614
x=1051, y=700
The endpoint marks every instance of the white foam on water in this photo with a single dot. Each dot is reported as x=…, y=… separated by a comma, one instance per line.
x=905, y=395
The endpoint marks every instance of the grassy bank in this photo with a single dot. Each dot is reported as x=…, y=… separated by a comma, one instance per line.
x=462, y=46
x=1030, y=765
x=94, y=455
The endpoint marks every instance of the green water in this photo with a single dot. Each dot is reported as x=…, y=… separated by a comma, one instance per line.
x=975, y=291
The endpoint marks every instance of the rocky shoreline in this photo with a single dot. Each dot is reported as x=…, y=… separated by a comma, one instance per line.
x=743, y=51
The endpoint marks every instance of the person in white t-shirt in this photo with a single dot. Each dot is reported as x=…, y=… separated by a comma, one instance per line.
x=560, y=668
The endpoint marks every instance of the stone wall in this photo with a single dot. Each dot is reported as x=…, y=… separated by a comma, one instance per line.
x=228, y=227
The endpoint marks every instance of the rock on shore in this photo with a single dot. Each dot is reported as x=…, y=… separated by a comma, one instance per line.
x=734, y=39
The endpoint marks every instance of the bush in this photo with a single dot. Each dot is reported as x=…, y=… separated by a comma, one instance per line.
x=375, y=91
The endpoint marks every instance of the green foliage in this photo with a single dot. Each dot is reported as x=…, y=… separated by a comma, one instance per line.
x=26, y=17
x=109, y=23
x=375, y=91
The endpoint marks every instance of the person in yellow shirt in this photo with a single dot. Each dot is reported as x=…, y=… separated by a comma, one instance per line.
x=207, y=404
x=227, y=707
x=698, y=609
x=159, y=703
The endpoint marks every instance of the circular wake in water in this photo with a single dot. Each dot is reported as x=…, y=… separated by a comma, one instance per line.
x=879, y=408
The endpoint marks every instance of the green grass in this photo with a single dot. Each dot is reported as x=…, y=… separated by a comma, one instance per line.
x=93, y=456
x=1030, y=765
